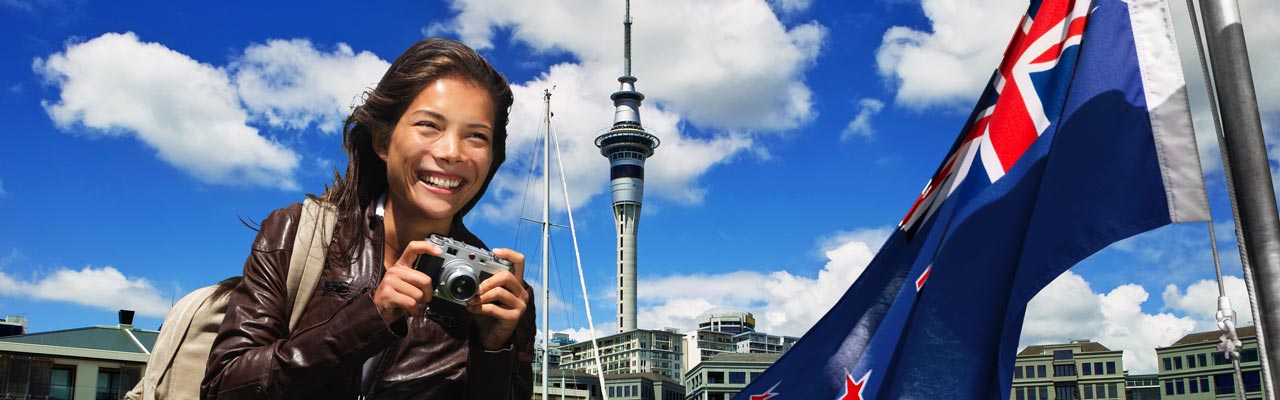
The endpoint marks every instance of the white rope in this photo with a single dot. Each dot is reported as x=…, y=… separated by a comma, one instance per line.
x=1229, y=342
x=577, y=256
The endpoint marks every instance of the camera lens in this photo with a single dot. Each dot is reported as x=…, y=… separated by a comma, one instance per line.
x=459, y=280
x=462, y=287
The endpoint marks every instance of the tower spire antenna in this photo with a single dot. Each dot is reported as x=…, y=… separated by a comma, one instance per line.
x=626, y=39
x=626, y=145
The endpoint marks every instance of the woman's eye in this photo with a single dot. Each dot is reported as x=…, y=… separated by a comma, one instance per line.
x=480, y=136
x=427, y=124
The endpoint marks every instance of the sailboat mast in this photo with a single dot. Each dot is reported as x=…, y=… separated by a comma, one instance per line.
x=546, y=237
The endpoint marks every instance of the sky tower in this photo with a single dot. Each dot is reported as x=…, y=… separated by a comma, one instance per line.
x=626, y=145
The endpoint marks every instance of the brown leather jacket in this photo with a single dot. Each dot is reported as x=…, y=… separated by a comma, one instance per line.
x=430, y=357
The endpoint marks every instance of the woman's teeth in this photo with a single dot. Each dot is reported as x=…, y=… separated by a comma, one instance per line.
x=442, y=182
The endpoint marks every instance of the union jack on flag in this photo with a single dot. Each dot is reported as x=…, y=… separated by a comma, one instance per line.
x=1081, y=138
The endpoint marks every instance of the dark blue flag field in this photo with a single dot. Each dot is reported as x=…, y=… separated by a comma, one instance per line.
x=1081, y=138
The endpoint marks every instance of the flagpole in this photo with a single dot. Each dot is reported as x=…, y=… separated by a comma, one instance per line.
x=1258, y=226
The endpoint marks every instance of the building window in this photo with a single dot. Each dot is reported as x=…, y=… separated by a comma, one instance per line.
x=62, y=383
x=1064, y=370
x=1177, y=363
x=109, y=387
x=1097, y=368
x=1044, y=393
x=1088, y=392
x=1018, y=394
x=1252, y=381
x=1180, y=385
x=715, y=377
x=1202, y=360
x=1191, y=361
x=737, y=377
x=1168, y=364
x=1168, y=388
x=1248, y=355
x=1031, y=372
x=1040, y=372
x=1224, y=384
x=1111, y=366
x=1204, y=384
x=1064, y=392
x=1220, y=359
x=1062, y=355
x=1031, y=394
x=1087, y=370
x=1017, y=373
x=1195, y=387
x=1112, y=393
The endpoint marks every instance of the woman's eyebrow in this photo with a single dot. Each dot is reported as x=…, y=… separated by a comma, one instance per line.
x=439, y=116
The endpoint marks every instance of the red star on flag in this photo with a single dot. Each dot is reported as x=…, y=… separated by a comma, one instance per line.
x=853, y=390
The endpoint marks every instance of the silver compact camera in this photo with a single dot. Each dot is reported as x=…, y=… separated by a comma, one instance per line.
x=456, y=274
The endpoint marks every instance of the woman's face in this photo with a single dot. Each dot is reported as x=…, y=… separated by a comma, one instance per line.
x=440, y=150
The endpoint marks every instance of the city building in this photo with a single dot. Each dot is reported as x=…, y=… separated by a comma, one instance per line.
x=627, y=145
x=1081, y=369
x=94, y=363
x=13, y=325
x=632, y=352
x=1193, y=368
x=643, y=386
x=760, y=342
x=733, y=322
x=701, y=345
x=730, y=332
x=553, y=351
x=724, y=375
x=1142, y=387
x=568, y=384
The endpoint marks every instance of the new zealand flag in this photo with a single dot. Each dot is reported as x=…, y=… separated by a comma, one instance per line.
x=1082, y=138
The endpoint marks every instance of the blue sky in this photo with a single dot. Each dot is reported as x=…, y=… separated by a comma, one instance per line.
x=795, y=134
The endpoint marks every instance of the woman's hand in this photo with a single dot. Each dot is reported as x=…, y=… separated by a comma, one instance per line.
x=500, y=301
x=404, y=290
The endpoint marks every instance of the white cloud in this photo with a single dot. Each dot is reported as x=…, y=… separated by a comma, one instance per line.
x=33, y=6
x=948, y=66
x=1200, y=301
x=584, y=334
x=105, y=288
x=187, y=111
x=860, y=126
x=731, y=67
x=784, y=303
x=292, y=84
x=725, y=63
x=1068, y=308
x=578, y=112
x=791, y=5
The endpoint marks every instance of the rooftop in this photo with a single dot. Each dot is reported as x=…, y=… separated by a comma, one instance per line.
x=643, y=375
x=106, y=338
x=1212, y=336
x=1085, y=347
x=745, y=357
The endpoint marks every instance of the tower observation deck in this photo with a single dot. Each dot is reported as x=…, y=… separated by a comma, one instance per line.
x=627, y=145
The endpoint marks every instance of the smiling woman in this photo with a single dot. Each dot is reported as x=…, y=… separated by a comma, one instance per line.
x=422, y=149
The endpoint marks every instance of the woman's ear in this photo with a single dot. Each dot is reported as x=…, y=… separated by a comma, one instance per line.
x=381, y=148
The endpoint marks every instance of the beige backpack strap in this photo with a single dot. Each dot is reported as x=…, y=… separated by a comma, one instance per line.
x=310, y=244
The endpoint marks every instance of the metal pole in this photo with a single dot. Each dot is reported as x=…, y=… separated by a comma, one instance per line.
x=546, y=237
x=1250, y=170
